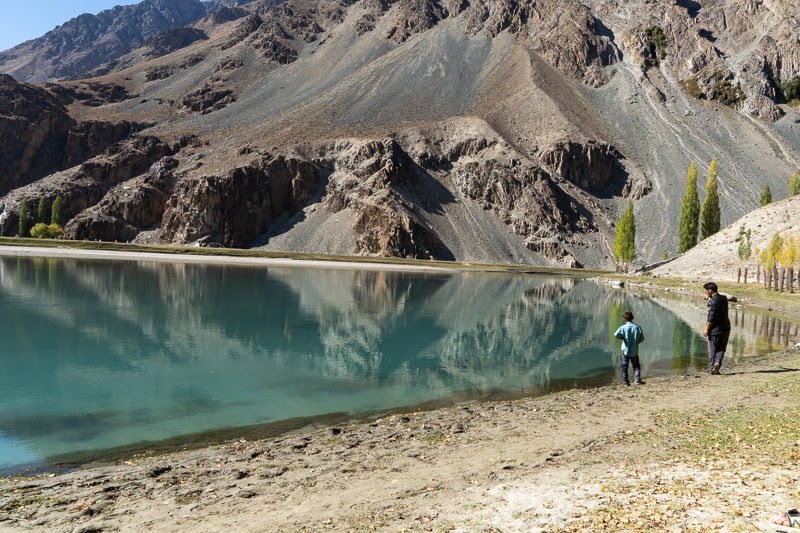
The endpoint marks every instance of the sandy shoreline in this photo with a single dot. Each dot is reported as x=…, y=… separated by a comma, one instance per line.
x=577, y=460
x=117, y=255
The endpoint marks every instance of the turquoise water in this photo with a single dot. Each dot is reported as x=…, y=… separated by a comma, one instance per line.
x=104, y=354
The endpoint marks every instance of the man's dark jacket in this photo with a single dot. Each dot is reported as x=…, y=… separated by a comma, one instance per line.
x=718, y=314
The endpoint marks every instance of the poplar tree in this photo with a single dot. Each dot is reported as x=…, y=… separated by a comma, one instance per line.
x=55, y=211
x=42, y=212
x=690, y=211
x=23, y=217
x=794, y=185
x=709, y=218
x=766, y=195
x=625, y=239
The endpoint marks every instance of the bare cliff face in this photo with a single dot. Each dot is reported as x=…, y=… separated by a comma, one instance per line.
x=480, y=130
x=39, y=136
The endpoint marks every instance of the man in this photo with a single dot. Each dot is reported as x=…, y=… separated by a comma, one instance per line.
x=718, y=326
x=631, y=335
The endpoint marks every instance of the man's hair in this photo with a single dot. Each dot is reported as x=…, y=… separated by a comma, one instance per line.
x=627, y=315
x=710, y=285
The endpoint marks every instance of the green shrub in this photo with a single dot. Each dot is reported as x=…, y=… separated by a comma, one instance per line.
x=655, y=45
x=766, y=196
x=55, y=230
x=791, y=89
x=45, y=231
x=724, y=91
x=40, y=231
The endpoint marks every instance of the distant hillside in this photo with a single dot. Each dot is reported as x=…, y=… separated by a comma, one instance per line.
x=716, y=258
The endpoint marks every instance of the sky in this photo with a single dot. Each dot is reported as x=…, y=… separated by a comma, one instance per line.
x=27, y=19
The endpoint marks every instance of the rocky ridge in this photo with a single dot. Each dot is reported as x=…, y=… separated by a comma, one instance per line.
x=88, y=41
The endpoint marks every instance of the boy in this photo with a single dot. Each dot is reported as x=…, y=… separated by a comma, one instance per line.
x=631, y=335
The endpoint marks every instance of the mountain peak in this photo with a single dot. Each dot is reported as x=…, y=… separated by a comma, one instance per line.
x=87, y=41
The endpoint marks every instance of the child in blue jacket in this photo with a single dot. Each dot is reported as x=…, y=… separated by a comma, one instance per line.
x=631, y=335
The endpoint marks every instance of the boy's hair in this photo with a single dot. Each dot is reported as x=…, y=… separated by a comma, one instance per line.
x=710, y=285
x=627, y=315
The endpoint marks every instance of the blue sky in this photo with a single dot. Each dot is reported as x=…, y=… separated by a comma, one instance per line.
x=27, y=19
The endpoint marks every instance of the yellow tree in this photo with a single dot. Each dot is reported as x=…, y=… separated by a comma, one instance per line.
x=787, y=256
x=792, y=258
x=764, y=261
x=782, y=260
x=775, y=252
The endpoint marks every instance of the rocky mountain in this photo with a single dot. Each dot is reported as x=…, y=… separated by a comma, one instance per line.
x=88, y=41
x=475, y=130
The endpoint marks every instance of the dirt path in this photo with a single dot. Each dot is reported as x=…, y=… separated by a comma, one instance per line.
x=572, y=461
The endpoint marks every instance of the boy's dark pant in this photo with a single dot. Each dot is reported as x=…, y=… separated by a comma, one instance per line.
x=717, y=344
x=634, y=360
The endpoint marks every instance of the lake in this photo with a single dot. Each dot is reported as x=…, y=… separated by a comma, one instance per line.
x=100, y=356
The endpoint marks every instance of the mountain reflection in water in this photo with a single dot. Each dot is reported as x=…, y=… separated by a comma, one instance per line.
x=97, y=355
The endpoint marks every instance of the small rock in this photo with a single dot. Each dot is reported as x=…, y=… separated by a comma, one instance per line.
x=298, y=444
x=158, y=470
x=257, y=453
x=273, y=472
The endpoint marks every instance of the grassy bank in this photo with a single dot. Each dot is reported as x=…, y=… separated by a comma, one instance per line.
x=749, y=295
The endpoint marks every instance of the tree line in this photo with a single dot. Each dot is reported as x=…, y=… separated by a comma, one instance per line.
x=48, y=221
x=775, y=263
